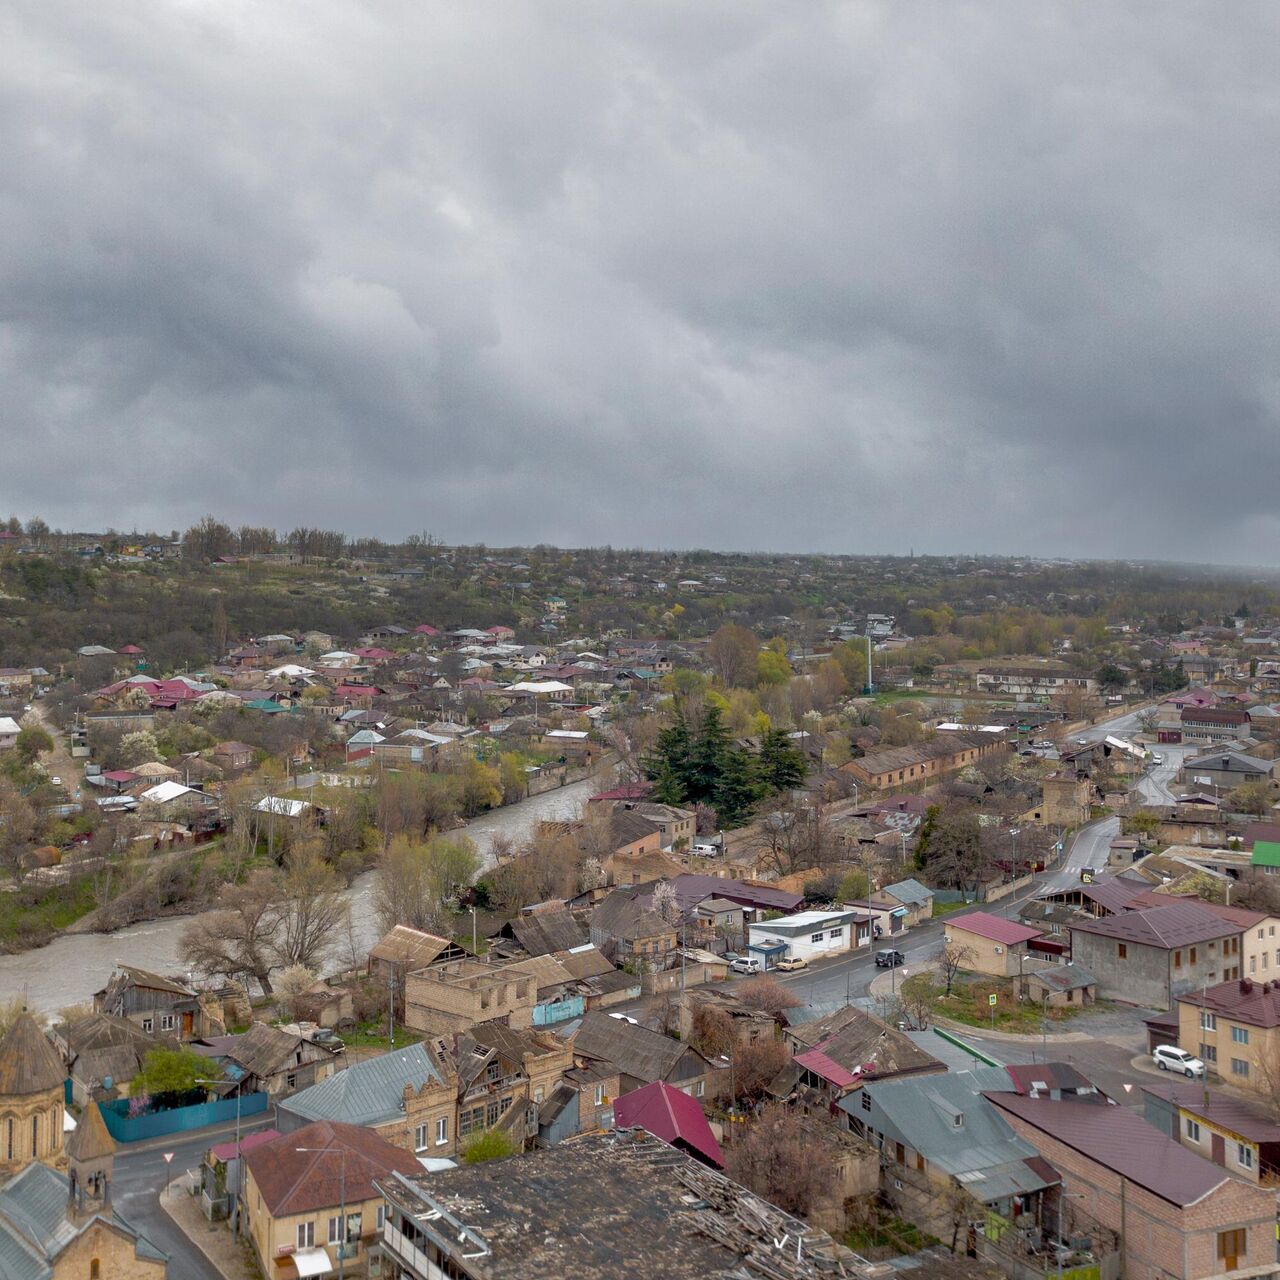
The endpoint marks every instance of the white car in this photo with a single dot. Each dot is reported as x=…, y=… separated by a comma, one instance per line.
x=1169, y=1057
x=746, y=964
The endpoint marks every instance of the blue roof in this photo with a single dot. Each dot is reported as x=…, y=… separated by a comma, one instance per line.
x=369, y=1092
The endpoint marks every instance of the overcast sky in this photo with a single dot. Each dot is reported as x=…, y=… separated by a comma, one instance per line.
x=727, y=273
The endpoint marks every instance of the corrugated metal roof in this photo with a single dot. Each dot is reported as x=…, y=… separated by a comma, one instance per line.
x=369, y=1092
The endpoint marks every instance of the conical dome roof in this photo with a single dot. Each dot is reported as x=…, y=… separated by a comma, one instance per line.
x=28, y=1062
x=91, y=1141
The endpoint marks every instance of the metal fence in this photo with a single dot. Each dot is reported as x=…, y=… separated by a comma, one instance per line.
x=156, y=1124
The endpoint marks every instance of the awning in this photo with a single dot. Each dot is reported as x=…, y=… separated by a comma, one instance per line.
x=312, y=1262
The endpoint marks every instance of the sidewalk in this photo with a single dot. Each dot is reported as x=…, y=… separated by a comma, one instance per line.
x=214, y=1239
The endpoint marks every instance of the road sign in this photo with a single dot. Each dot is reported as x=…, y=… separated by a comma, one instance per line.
x=168, y=1155
x=991, y=999
x=168, y=1158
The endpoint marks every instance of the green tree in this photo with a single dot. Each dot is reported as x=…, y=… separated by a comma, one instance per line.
x=854, y=886
x=782, y=765
x=1111, y=679
x=33, y=742
x=490, y=1144
x=168, y=1076
x=772, y=667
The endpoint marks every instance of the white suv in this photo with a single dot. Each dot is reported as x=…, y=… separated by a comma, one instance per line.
x=1169, y=1057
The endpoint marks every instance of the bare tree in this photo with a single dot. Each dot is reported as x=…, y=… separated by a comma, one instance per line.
x=775, y=1159
x=419, y=881
x=240, y=938
x=768, y=995
x=954, y=958
x=313, y=911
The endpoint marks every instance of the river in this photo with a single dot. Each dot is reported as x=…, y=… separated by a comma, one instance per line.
x=71, y=968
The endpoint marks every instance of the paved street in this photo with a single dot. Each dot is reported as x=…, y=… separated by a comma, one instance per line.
x=140, y=1177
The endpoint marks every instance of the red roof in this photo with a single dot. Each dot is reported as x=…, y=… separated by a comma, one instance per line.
x=130, y=648
x=227, y=1150
x=668, y=1114
x=120, y=775
x=630, y=791
x=425, y=630
x=375, y=654
x=828, y=1068
x=995, y=928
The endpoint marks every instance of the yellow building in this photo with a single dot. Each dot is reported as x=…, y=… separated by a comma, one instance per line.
x=31, y=1097
x=310, y=1202
x=1234, y=1028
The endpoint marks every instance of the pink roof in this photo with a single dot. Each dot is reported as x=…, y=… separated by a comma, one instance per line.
x=828, y=1068
x=375, y=653
x=131, y=648
x=996, y=928
x=120, y=775
x=668, y=1114
x=426, y=630
x=227, y=1150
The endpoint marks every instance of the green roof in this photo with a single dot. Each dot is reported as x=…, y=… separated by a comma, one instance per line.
x=1266, y=853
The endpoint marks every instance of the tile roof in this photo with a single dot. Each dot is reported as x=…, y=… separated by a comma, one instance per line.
x=1120, y=1140
x=994, y=928
x=292, y=1181
x=1179, y=924
x=669, y=1114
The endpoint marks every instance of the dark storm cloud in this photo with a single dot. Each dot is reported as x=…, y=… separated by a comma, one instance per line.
x=842, y=276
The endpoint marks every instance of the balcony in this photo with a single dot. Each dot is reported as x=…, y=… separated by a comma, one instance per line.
x=396, y=1243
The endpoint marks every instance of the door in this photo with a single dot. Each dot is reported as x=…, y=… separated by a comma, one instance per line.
x=1219, y=1149
x=188, y=1025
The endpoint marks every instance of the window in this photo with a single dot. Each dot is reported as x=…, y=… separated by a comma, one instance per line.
x=1208, y=1052
x=335, y=1230
x=699, y=1089
x=1231, y=1248
x=1192, y=954
x=1244, y=1156
x=1177, y=959
x=1122, y=951
x=816, y=937
x=147, y=1024
x=1253, y=964
x=306, y=1235
x=1259, y=933
x=1208, y=1021
x=1239, y=1035
x=382, y=1216
x=866, y=1100
x=166, y=1022
x=442, y=1130
x=1193, y=1129
x=95, y=1269
x=291, y=1080
x=420, y=1138
x=599, y=1095
x=836, y=934
x=35, y=1135
x=1239, y=1067
x=10, y=1144
x=538, y=1094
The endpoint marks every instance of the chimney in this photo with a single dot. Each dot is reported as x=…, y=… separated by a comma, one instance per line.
x=1246, y=986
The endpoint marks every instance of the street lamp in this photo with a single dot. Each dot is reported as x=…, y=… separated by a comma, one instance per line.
x=235, y=1197
x=342, y=1205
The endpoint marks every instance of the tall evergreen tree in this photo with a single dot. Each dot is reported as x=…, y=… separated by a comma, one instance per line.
x=782, y=765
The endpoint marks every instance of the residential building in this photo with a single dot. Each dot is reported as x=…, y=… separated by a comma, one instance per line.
x=675, y=826
x=450, y=998
x=1234, y=1028
x=628, y=931
x=1239, y=1136
x=938, y=1135
x=1177, y=1216
x=233, y=755
x=1065, y=800
x=270, y=1060
x=621, y=1205
x=642, y=1056
x=9, y=730
x=1153, y=955
x=1225, y=769
x=907, y=766
x=99, y=1047
x=402, y=949
x=989, y=944
x=160, y=1006
x=1032, y=682
x=31, y=1097
x=1213, y=724
x=310, y=1200
x=911, y=894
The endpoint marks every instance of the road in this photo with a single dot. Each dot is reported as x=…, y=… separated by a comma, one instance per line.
x=139, y=1179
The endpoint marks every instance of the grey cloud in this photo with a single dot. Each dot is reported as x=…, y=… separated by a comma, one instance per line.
x=840, y=276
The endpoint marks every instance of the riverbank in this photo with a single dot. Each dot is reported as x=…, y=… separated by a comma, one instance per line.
x=70, y=968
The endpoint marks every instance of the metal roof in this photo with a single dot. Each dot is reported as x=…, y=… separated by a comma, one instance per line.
x=368, y=1092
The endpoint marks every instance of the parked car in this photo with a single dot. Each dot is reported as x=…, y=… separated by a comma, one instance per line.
x=1157, y=758
x=1169, y=1057
x=1045, y=745
x=746, y=964
x=788, y=963
x=889, y=959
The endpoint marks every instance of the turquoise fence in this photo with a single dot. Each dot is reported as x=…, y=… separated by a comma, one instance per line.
x=156, y=1124
x=546, y=1015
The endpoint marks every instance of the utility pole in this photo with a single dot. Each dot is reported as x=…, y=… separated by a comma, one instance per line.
x=235, y=1198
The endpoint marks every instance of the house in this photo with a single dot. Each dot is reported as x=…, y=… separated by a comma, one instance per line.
x=581, y=1103
x=858, y=1048
x=907, y=766
x=989, y=944
x=807, y=935
x=1175, y=1214
x=911, y=894
x=1235, y=1134
x=642, y=1056
x=9, y=730
x=63, y=1226
x=542, y=933
x=1234, y=1028
x=938, y=1135
x=1060, y=985
x=1153, y=955
x=402, y=949
x=160, y=1006
x=233, y=755
x=1213, y=724
x=1225, y=769
x=749, y=1025
x=270, y=1060
x=627, y=931
x=622, y=1205
x=1065, y=800
x=671, y=1115
x=676, y=826
x=99, y=1047
x=452, y=997
x=310, y=1200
